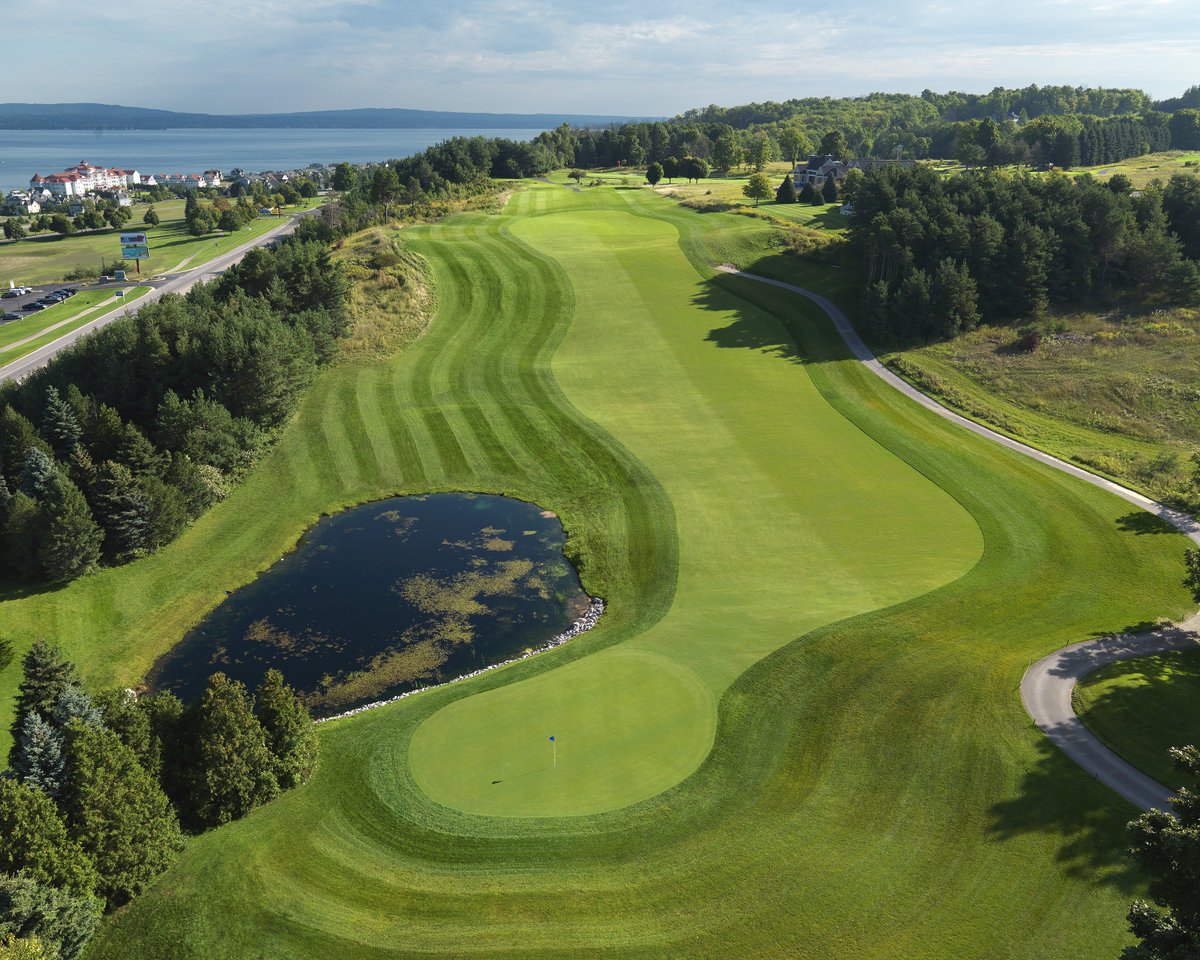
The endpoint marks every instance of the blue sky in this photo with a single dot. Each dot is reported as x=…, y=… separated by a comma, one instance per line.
x=242, y=56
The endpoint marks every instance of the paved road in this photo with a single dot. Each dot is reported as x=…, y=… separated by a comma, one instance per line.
x=175, y=283
x=1047, y=686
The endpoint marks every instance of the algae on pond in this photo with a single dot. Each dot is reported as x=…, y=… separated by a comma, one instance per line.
x=387, y=597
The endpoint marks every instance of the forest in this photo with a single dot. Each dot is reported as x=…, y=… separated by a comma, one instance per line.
x=110, y=450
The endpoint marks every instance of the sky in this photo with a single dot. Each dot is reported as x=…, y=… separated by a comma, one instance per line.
x=568, y=56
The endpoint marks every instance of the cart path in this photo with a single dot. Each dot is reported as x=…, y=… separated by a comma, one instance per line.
x=1047, y=686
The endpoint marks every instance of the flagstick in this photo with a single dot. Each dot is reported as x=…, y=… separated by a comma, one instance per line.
x=555, y=754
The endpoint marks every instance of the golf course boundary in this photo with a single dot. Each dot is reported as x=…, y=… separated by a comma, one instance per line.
x=1047, y=686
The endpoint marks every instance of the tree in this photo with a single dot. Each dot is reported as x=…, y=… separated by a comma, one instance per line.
x=727, y=151
x=829, y=190
x=46, y=673
x=794, y=143
x=70, y=539
x=13, y=947
x=808, y=194
x=122, y=511
x=757, y=188
x=787, y=190
x=385, y=185
x=291, y=736
x=150, y=217
x=37, y=755
x=59, y=424
x=21, y=526
x=34, y=841
x=230, y=768
x=117, y=813
x=654, y=173
x=670, y=168
x=61, y=225
x=760, y=151
x=344, y=178
x=1192, y=580
x=693, y=168
x=14, y=229
x=1167, y=848
x=37, y=473
x=39, y=913
x=834, y=144
x=577, y=175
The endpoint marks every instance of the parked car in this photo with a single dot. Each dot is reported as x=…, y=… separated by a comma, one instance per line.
x=34, y=306
x=10, y=294
x=9, y=317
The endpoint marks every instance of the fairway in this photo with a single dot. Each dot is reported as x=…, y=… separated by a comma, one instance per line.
x=796, y=732
x=789, y=518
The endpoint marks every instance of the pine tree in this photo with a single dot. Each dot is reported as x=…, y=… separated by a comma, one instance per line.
x=20, y=535
x=36, y=474
x=829, y=192
x=70, y=539
x=59, y=424
x=136, y=452
x=17, y=437
x=291, y=736
x=74, y=704
x=150, y=217
x=808, y=193
x=122, y=511
x=117, y=813
x=787, y=191
x=5, y=500
x=230, y=770
x=123, y=714
x=46, y=673
x=38, y=913
x=38, y=755
x=34, y=841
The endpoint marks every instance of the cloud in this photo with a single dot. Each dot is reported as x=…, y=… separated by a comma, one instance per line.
x=618, y=57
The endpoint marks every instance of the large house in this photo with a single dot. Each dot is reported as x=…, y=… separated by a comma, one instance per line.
x=83, y=178
x=18, y=203
x=816, y=170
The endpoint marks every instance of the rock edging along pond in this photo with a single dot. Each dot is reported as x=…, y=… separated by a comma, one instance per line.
x=585, y=623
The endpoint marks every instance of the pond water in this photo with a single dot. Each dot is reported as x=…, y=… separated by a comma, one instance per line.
x=388, y=597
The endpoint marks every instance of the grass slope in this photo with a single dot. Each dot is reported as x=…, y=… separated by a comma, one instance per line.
x=873, y=789
x=1141, y=708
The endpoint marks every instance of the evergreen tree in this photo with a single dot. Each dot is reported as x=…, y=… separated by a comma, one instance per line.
x=5, y=500
x=291, y=736
x=69, y=542
x=654, y=173
x=808, y=193
x=46, y=673
x=955, y=300
x=829, y=191
x=36, y=474
x=20, y=535
x=36, y=912
x=231, y=771
x=37, y=756
x=59, y=425
x=74, y=704
x=17, y=437
x=1167, y=848
x=787, y=191
x=167, y=513
x=122, y=511
x=150, y=217
x=117, y=813
x=34, y=841
x=124, y=715
x=136, y=452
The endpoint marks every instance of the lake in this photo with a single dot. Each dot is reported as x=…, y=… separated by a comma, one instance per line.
x=26, y=152
x=388, y=597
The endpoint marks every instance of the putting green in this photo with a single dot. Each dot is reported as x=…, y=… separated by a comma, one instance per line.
x=789, y=518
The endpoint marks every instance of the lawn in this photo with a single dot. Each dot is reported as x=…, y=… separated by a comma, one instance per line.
x=1152, y=166
x=822, y=598
x=1141, y=708
x=46, y=258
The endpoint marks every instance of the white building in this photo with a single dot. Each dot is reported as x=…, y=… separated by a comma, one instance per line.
x=18, y=203
x=83, y=178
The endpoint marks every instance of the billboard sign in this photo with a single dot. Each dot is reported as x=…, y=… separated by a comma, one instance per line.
x=135, y=246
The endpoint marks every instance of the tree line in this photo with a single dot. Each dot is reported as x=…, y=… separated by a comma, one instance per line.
x=110, y=450
x=101, y=789
x=942, y=254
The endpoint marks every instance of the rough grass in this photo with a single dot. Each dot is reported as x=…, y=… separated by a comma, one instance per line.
x=874, y=788
x=1141, y=708
x=1116, y=392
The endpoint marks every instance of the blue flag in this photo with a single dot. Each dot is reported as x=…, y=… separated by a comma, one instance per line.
x=551, y=738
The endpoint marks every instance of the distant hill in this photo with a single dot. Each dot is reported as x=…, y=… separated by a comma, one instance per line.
x=100, y=116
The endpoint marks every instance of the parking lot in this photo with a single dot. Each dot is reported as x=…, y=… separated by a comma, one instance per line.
x=15, y=304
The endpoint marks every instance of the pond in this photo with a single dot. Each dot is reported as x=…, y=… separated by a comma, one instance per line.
x=388, y=597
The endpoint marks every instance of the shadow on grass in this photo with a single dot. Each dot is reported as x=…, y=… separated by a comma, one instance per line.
x=1088, y=825
x=1141, y=522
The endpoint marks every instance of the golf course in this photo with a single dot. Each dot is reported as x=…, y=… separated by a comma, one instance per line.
x=796, y=731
